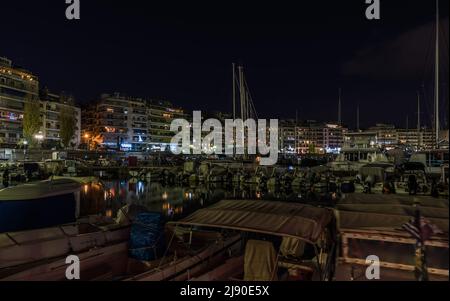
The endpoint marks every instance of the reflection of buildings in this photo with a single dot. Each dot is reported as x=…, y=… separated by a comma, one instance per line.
x=16, y=86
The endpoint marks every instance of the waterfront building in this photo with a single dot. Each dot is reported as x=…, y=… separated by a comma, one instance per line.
x=17, y=86
x=287, y=137
x=320, y=137
x=333, y=137
x=423, y=139
x=51, y=106
x=116, y=122
x=386, y=134
x=161, y=114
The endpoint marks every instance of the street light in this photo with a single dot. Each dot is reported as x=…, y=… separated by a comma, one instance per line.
x=87, y=138
x=39, y=137
x=25, y=145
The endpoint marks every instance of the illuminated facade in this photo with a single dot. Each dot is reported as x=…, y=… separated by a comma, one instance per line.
x=117, y=122
x=387, y=136
x=310, y=137
x=161, y=114
x=51, y=106
x=16, y=86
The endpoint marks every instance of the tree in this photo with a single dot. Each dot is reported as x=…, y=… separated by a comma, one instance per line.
x=31, y=119
x=67, y=125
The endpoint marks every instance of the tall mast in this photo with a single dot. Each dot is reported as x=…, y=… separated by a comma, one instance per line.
x=234, y=92
x=418, y=111
x=339, y=108
x=436, y=92
x=242, y=92
x=357, y=117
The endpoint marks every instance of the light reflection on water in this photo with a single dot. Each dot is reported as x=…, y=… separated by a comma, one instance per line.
x=175, y=202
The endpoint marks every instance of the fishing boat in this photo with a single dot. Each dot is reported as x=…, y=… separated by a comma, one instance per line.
x=279, y=241
x=371, y=225
x=39, y=205
x=40, y=254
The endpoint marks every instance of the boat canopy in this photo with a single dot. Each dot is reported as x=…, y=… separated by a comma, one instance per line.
x=389, y=211
x=39, y=190
x=295, y=220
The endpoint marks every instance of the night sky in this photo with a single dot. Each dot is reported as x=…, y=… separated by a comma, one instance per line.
x=296, y=55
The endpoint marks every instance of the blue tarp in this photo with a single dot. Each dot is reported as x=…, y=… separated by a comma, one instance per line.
x=147, y=236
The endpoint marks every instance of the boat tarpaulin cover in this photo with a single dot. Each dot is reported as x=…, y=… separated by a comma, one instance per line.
x=371, y=211
x=300, y=221
x=259, y=261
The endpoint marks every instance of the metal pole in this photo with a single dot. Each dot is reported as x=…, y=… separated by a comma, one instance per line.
x=339, y=108
x=241, y=90
x=418, y=111
x=436, y=101
x=234, y=92
x=357, y=117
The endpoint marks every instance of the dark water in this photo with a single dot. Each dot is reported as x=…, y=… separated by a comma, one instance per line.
x=175, y=202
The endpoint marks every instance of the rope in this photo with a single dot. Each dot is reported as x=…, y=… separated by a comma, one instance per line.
x=168, y=246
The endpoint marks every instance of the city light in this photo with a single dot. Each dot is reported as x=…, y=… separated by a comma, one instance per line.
x=39, y=136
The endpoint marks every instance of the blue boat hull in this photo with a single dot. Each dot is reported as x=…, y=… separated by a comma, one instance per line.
x=37, y=213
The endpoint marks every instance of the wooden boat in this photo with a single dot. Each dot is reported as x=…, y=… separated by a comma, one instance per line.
x=190, y=253
x=372, y=225
x=103, y=263
x=19, y=250
x=303, y=235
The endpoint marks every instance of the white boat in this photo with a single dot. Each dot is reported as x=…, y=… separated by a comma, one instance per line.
x=433, y=160
x=352, y=159
x=25, y=247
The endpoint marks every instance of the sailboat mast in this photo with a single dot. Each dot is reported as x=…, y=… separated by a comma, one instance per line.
x=357, y=117
x=242, y=92
x=418, y=111
x=436, y=92
x=339, y=108
x=234, y=91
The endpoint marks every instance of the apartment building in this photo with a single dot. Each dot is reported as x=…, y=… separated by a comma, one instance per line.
x=161, y=114
x=17, y=86
x=51, y=106
x=116, y=122
x=310, y=137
